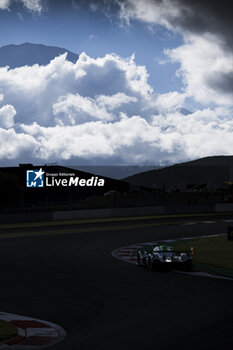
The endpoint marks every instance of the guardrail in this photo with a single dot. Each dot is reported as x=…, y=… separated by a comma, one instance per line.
x=114, y=212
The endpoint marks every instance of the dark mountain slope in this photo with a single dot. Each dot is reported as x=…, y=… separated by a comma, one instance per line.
x=30, y=54
x=214, y=171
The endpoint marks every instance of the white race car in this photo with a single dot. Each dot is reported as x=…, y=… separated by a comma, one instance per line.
x=164, y=256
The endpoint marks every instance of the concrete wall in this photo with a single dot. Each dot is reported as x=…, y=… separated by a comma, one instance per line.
x=221, y=207
x=114, y=212
x=107, y=213
x=25, y=217
x=188, y=209
x=124, y=212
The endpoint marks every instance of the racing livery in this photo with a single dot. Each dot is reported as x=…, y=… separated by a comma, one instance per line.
x=164, y=256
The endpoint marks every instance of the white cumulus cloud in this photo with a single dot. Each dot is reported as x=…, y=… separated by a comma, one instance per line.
x=7, y=114
x=4, y=4
x=15, y=145
x=170, y=137
x=206, y=68
x=103, y=110
x=149, y=11
x=90, y=88
x=77, y=109
x=206, y=57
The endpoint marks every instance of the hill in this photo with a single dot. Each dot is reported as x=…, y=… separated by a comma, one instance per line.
x=30, y=54
x=212, y=171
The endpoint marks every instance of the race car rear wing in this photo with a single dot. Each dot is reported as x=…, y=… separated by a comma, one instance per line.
x=191, y=251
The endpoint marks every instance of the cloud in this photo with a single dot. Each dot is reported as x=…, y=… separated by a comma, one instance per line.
x=75, y=5
x=93, y=37
x=33, y=5
x=7, y=114
x=206, y=58
x=38, y=91
x=148, y=11
x=186, y=16
x=75, y=109
x=206, y=69
x=4, y=4
x=15, y=145
x=168, y=101
x=78, y=109
x=93, y=6
x=112, y=74
x=102, y=110
x=171, y=137
x=115, y=101
x=30, y=5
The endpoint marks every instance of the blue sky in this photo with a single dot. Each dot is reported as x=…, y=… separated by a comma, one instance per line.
x=96, y=34
x=153, y=84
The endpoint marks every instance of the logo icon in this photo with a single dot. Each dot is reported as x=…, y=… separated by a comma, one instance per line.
x=35, y=178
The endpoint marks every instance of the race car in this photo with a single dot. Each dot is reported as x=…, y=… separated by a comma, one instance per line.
x=164, y=256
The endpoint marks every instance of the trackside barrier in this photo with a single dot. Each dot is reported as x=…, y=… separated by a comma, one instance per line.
x=107, y=213
x=114, y=212
x=137, y=211
x=25, y=217
x=230, y=233
x=223, y=207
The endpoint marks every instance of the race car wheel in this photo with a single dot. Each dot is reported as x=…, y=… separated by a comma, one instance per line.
x=188, y=265
x=139, y=258
x=150, y=263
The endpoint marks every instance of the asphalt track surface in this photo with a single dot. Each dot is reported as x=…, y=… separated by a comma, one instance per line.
x=103, y=303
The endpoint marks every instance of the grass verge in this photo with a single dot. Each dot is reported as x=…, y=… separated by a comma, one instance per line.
x=212, y=254
x=7, y=331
